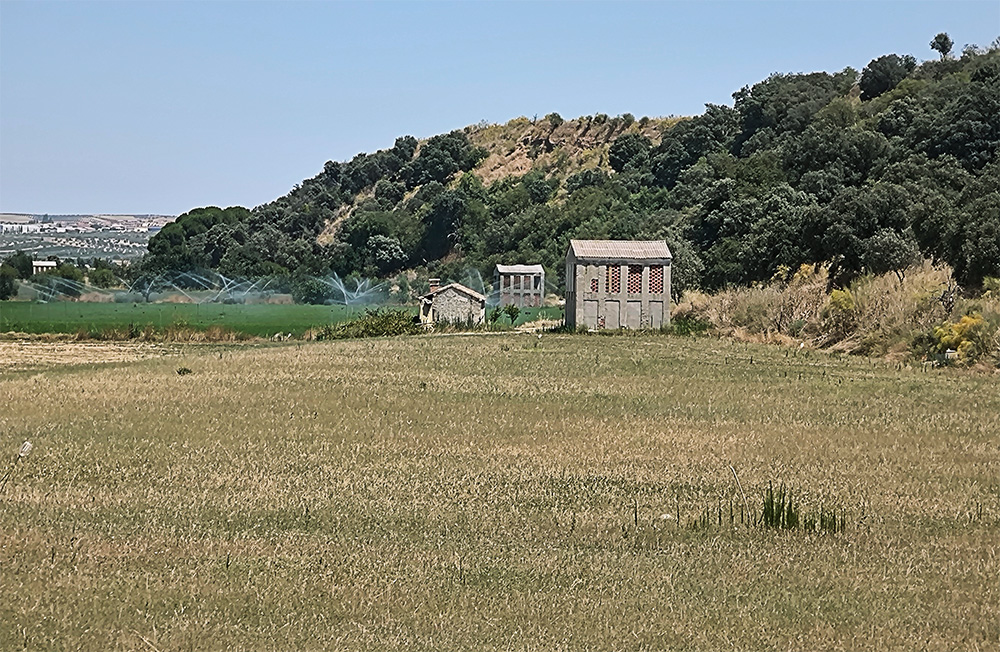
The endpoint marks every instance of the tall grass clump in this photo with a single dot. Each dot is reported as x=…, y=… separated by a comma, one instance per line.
x=781, y=511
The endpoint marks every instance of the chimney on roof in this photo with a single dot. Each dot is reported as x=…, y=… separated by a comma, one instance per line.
x=435, y=284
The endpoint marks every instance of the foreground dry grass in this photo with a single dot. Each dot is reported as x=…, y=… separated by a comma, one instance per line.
x=496, y=493
x=27, y=354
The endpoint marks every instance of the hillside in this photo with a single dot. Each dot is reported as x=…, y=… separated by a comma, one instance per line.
x=556, y=146
x=862, y=172
x=551, y=145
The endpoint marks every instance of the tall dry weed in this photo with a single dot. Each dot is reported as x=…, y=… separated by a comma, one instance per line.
x=785, y=307
x=876, y=315
x=890, y=311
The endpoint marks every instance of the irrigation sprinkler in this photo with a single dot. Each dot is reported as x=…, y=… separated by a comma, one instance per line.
x=25, y=450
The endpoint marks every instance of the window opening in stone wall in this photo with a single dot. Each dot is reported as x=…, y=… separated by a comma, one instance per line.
x=527, y=282
x=505, y=280
x=517, y=282
x=656, y=280
x=614, y=279
x=635, y=279
x=593, y=285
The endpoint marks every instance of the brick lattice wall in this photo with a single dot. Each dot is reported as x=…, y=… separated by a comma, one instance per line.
x=614, y=285
x=656, y=280
x=635, y=279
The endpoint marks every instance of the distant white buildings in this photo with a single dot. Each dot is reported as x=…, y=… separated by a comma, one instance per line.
x=19, y=227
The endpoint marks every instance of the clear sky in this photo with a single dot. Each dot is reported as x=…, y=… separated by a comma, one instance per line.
x=160, y=107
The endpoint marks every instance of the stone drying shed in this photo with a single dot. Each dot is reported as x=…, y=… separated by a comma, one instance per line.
x=617, y=284
x=453, y=303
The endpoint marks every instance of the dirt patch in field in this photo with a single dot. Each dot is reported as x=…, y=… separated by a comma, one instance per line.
x=35, y=354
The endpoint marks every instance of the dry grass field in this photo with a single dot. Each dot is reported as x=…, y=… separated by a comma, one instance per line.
x=497, y=493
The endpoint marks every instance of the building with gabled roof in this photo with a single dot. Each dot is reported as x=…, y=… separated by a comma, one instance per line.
x=452, y=303
x=519, y=285
x=618, y=284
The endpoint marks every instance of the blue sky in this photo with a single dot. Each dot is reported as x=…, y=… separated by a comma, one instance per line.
x=160, y=107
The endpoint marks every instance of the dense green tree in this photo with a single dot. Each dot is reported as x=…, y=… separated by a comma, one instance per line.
x=854, y=217
x=586, y=178
x=8, y=281
x=443, y=222
x=884, y=73
x=307, y=289
x=629, y=150
x=942, y=44
x=969, y=126
x=707, y=134
x=441, y=157
x=973, y=238
x=891, y=251
x=784, y=104
x=22, y=263
x=386, y=253
x=861, y=172
x=389, y=193
x=102, y=278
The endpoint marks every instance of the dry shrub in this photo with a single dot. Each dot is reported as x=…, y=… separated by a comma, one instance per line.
x=876, y=315
x=182, y=333
x=887, y=310
x=96, y=297
x=173, y=333
x=274, y=299
x=789, y=308
x=177, y=298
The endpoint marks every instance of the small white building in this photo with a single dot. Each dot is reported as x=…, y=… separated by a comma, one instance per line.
x=42, y=266
x=519, y=285
x=453, y=303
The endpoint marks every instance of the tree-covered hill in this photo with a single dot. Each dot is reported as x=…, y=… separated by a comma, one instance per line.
x=865, y=172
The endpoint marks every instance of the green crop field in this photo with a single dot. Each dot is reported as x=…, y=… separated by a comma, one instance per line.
x=496, y=492
x=253, y=319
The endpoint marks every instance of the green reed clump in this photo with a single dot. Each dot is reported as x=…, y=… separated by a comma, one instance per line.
x=374, y=323
x=780, y=509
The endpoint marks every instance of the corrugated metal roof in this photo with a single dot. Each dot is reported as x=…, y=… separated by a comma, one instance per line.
x=520, y=269
x=612, y=249
x=459, y=287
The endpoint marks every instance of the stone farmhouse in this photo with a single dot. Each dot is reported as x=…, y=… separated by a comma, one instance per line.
x=453, y=303
x=519, y=285
x=617, y=284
